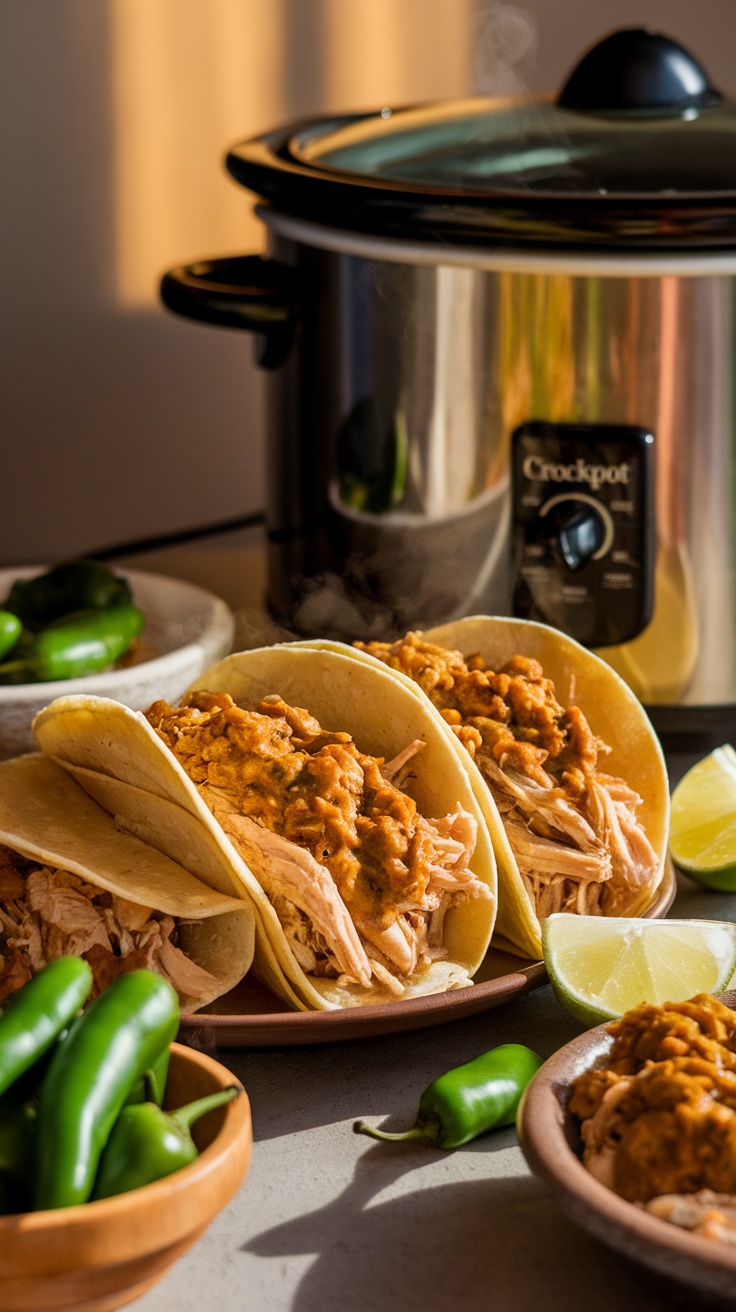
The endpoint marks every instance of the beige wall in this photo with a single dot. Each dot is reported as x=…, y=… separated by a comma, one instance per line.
x=116, y=419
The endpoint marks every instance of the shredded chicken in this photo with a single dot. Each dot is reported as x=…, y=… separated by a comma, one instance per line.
x=659, y=1118
x=394, y=770
x=573, y=830
x=291, y=872
x=359, y=879
x=705, y=1213
x=47, y=913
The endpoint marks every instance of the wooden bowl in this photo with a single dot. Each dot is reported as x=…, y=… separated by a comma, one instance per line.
x=101, y=1255
x=551, y=1143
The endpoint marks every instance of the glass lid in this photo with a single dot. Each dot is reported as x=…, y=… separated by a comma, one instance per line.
x=639, y=149
x=517, y=146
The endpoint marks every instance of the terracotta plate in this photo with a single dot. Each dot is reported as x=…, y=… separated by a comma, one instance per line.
x=250, y=1016
x=551, y=1144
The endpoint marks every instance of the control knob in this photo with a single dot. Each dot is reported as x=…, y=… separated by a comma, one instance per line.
x=579, y=527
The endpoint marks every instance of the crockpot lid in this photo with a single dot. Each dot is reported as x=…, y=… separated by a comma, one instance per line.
x=638, y=149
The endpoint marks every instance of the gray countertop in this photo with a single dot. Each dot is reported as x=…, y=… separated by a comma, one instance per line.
x=327, y=1220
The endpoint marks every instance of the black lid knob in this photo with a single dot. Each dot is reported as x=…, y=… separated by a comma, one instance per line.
x=636, y=69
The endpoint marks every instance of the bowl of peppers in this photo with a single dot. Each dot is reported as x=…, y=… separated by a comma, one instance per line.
x=80, y=627
x=118, y=1147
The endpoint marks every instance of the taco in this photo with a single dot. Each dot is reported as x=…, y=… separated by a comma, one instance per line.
x=72, y=884
x=563, y=759
x=343, y=808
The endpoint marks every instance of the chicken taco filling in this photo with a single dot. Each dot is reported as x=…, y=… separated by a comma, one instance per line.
x=360, y=881
x=572, y=828
x=48, y=913
x=658, y=1120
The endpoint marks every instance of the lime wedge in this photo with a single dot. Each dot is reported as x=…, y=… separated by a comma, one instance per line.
x=600, y=967
x=703, y=823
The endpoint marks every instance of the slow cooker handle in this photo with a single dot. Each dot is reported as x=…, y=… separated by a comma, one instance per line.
x=238, y=291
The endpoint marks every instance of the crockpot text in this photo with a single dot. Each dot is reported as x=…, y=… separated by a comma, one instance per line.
x=544, y=471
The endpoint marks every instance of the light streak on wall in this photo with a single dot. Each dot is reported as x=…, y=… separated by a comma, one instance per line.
x=190, y=77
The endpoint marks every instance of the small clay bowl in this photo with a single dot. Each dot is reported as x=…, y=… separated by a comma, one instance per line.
x=551, y=1143
x=101, y=1255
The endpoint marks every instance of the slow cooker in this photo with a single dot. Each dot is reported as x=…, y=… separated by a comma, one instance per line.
x=500, y=341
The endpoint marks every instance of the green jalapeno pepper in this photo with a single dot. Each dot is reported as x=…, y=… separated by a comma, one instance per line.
x=78, y=644
x=11, y=1199
x=71, y=586
x=37, y=1013
x=10, y=631
x=18, y=1122
x=18, y=1116
x=17, y=1133
x=481, y=1095
x=108, y=1048
x=147, y=1144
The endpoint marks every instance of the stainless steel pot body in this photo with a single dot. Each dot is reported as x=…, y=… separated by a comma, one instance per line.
x=391, y=498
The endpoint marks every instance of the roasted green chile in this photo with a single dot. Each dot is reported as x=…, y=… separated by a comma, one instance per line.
x=71, y=586
x=109, y=1047
x=36, y=1015
x=81, y=643
x=147, y=1143
x=484, y=1094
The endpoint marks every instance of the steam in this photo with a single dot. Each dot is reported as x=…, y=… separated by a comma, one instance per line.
x=253, y=628
x=328, y=608
x=507, y=37
x=407, y=571
x=506, y=51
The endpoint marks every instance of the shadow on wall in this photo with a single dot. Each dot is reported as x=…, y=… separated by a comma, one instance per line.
x=122, y=420
x=119, y=419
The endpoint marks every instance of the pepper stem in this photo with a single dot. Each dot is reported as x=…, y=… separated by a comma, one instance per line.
x=416, y=1132
x=150, y=1085
x=186, y=1116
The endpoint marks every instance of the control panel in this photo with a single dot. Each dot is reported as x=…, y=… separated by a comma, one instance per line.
x=583, y=528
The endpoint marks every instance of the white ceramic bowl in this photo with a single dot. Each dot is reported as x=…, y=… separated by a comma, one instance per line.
x=189, y=628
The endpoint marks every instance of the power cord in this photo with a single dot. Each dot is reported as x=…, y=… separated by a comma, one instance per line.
x=160, y=540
